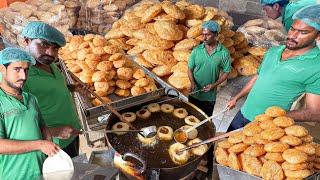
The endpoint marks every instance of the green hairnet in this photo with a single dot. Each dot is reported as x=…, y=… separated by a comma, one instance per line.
x=309, y=15
x=40, y=30
x=266, y=2
x=211, y=25
x=10, y=55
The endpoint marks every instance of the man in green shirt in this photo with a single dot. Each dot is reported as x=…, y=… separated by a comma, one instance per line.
x=47, y=83
x=285, y=73
x=205, y=63
x=284, y=8
x=22, y=146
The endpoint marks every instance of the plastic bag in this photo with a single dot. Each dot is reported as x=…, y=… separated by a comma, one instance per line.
x=60, y=14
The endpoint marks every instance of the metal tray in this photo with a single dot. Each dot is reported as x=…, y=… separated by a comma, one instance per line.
x=118, y=103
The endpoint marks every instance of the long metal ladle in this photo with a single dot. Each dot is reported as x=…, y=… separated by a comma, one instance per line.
x=147, y=132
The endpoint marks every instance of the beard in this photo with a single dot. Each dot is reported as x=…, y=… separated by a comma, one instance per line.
x=46, y=60
x=13, y=86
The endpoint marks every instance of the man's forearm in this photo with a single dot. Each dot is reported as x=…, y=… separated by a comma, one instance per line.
x=221, y=79
x=246, y=89
x=17, y=147
x=190, y=75
x=304, y=115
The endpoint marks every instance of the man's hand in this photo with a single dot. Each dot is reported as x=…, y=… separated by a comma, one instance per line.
x=49, y=148
x=192, y=87
x=64, y=132
x=208, y=87
x=77, y=87
x=232, y=103
x=46, y=134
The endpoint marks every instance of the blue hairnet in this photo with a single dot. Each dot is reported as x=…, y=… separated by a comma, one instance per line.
x=268, y=2
x=10, y=55
x=40, y=30
x=211, y=25
x=309, y=15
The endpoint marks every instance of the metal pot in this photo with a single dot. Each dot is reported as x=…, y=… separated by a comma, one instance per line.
x=143, y=163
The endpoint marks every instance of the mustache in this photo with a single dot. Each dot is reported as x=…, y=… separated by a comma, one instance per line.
x=21, y=80
x=290, y=39
x=46, y=57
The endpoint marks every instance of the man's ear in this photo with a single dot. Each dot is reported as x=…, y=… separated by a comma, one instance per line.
x=318, y=37
x=276, y=6
x=2, y=71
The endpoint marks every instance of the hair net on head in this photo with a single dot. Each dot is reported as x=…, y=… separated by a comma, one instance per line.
x=211, y=26
x=280, y=2
x=309, y=15
x=40, y=30
x=10, y=55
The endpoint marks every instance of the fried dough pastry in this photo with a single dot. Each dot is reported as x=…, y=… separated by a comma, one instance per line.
x=225, y=144
x=191, y=120
x=296, y=130
x=173, y=10
x=283, y=121
x=252, y=128
x=251, y=164
x=255, y=150
x=263, y=117
x=276, y=147
x=179, y=81
x=186, y=45
x=307, y=139
x=122, y=92
x=151, y=87
x=162, y=70
x=142, y=82
x=238, y=148
x=97, y=102
x=120, y=126
x=249, y=140
x=147, y=141
x=291, y=140
x=105, y=66
x=168, y=30
x=272, y=134
x=194, y=12
x=221, y=156
x=192, y=134
x=167, y=108
x=294, y=167
x=194, y=31
x=274, y=157
x=135, y=50
x=234, y=162
x=101, y=86
x=159, y=57
x=124, y=73
x=271, y=170
x=298, y=174
x=307, y=148
x=142, y=34
x=181, y=55
x=236, y=137
x=143, y=62
x=151, y=12
x=178, y=157
x=294, y=156
x=275, y=111
x=200, y=150
x=138, y=74
x=155, y=44
x=129, y=116
x=123, y=84
x=165, y=133
x=99, y=76
x=267, y=124
x=136, y=91
x=257, y=138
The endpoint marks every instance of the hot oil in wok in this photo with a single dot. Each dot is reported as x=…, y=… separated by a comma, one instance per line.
x=156, y=156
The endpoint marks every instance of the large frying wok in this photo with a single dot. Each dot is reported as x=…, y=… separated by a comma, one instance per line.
x=139, y=162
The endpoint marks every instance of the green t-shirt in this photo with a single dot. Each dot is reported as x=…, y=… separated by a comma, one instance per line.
x=292, y=7
x=280, y=83
x=55, y=100
x=20, y=121
x=206, y=68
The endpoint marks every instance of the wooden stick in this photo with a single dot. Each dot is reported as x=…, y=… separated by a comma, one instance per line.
x=209, y=140
x=101, y=100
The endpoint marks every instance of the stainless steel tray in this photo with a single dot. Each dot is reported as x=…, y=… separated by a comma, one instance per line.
x=118, y=103
x=226, y=173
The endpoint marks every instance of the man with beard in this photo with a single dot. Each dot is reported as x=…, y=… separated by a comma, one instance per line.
x=48, y=84
x=205, y=63
x=23, y=135
x=285, y=8
x=286, y=72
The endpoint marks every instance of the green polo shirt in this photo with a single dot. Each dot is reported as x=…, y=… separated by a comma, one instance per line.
x=292, y=7
x=20, y=121
x=280, y=83
x=55, y=100
x=206, y=68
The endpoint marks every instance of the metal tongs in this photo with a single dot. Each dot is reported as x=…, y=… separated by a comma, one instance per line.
x=186, y=132
x=147, y=132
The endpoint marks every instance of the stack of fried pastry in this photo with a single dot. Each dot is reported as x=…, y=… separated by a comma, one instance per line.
x=105, y=67
x=271, y=147
x=162, y=36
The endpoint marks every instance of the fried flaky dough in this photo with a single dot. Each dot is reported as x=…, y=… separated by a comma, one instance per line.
x=191, y=120
x=236, y=137
x=257, y=51
x=105, y=66
x=307, y=139
x=221, y=156
x=294, y=167
x=298, y=174
x=200, y=150
x=181, y=55
x=255, y=150
x=267, y=124
x=122, y=92
x=234, y=162
x=263, y=117
x=124, y=73
x=271, y=170
x=120, y=126
x=275, y=111
x=283, y=121
x=143, y=113
x=153, y=107
x=159, y=57
x=151, y=12
x=129, y=116
x=225, y=144
x=138, y=74
x=123, y=84
x=238, y=148
x=142, y=82
x=194, y=31
x=168, y=30
x=162, y=70
x=194, y=12
x=296, y=130
x=142, y=34
x=173, y=10
x=186, y=45
x=276, y=147
x=165, y=133
x=250, y=164
x=274, y=157
x=272, y=134
x=249, y=140
x=252, y=128
x=143, y=62
x=294, y=156
x=291, y=140
x=180, y=113
x=179, y=81
x=155, y=44
x=307, y=148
